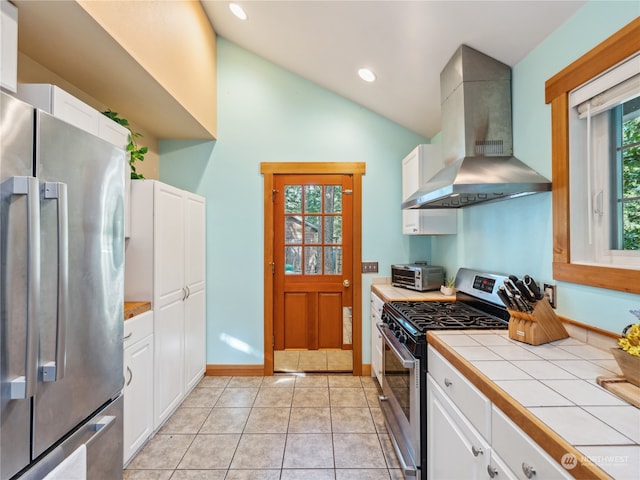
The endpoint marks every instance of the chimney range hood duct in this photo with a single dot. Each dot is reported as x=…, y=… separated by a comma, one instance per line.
x=475, y=93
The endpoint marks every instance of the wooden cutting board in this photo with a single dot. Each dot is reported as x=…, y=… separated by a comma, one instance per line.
x=620, y=387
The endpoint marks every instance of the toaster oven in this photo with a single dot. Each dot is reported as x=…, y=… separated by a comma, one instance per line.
x=416, y=276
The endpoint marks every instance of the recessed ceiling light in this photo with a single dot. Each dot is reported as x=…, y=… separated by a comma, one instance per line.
x=367, y=75
x=238, y=11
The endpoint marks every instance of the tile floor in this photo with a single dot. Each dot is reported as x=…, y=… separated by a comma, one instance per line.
x=313, y=361
x=285, y=427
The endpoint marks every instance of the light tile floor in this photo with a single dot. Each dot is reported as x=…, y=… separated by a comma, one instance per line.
x=285, y=427
x=313, y=361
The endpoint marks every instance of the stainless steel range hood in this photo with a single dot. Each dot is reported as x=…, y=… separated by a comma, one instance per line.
x=475, y=92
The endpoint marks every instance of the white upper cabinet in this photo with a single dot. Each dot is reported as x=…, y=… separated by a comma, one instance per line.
x=8, y=46
x=418, y=167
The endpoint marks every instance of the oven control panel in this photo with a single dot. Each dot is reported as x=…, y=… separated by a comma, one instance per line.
x=484, y=284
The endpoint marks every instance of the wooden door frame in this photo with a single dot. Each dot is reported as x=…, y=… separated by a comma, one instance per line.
x=268, y=170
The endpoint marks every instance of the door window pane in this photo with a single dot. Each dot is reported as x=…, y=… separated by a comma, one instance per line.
x=312, y=230
x=293, y=229
x=313, y=260
x=312, y=198
x=333, y=260
x=293, y=199
x=333, y=229
x=293, y=260
x=333, y=198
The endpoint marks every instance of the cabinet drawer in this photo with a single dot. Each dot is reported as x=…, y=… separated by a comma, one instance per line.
x=138, y=327
x=473, y=404
x=376, y=305
x=520, y=452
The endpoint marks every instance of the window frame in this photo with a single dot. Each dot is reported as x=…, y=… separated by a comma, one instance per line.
x=607, y=54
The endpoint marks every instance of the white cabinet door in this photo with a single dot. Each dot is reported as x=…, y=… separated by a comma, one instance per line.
x=195, y=303
x=138, y=396
x=195, y=231
x=418, y=167
x=376, y=337
x=138, y=386
x=168, y=237
x=168, y=360
x=195, y=338
x=455, y=449
x=8, y=46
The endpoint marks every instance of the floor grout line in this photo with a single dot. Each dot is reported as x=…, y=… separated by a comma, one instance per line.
x=332, y=389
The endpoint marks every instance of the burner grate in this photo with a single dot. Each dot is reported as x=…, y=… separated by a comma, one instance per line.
x=424, y=316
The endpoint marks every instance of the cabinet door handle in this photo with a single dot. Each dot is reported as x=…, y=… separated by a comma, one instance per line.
x=528, y=470
x=130, y=376
x=127, y=336
x=447, y=382
x=476, y=451
x=492, y=471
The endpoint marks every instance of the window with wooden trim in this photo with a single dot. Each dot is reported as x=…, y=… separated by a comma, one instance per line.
x=615, y=49
x=604, y=128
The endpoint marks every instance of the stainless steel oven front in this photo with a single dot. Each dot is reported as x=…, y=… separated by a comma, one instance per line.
x=400, y=401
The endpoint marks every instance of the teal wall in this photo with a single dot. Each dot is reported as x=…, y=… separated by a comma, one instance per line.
x=515, y=236
x=266, y=114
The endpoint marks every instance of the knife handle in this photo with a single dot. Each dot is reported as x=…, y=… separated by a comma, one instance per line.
x=504, y=296
x=533, y=287
x=512, y=303
x=524, y=290
x=511, y=287
x=523, y=306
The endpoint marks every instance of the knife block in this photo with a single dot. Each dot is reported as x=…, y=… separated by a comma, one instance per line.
x=542, y=325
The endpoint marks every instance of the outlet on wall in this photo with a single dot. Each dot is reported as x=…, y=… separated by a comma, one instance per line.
x=369, y=267
x=550, y=294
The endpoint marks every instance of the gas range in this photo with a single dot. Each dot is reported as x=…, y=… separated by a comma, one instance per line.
x=403, y=329
x=477, y=306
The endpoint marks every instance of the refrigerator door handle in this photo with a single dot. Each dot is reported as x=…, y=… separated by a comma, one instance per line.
x=54, y=371
x=25, y=386
x=101, y=426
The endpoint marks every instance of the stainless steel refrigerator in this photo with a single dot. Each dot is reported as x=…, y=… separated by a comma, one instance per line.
x=61, y=295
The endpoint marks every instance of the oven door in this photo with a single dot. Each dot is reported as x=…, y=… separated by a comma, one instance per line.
x=400, y=402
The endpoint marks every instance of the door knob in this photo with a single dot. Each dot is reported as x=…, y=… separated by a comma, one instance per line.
x=346, y=283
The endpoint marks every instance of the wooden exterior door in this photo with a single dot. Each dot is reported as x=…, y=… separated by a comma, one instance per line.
x=312, y=261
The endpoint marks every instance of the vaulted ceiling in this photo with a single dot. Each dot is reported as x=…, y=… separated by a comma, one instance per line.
x=406, y=43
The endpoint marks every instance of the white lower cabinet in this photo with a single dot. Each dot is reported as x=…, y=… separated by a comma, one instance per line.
x=376, y=337
x=468, y=437
x=138, y=383
x=520, y=453
x=456, y=449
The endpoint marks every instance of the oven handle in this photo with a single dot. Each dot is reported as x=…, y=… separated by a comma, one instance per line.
x=408, y=360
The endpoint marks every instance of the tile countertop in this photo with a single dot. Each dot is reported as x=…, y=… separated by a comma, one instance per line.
x=550, y=391
x=389, y=293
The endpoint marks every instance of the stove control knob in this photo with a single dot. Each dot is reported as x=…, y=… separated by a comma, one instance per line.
x=402, y=338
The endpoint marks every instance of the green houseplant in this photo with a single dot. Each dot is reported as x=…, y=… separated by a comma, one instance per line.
x=135, y=153
x=449, y=287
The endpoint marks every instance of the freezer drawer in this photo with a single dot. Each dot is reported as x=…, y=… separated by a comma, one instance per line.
x=102, y=435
